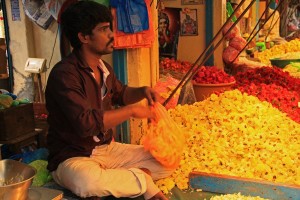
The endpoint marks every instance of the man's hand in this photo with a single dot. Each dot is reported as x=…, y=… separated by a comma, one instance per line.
x=135, y=94
x=111, y=118
x=152, y=96
x=141, y=112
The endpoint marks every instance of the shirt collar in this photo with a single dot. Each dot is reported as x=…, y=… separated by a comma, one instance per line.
x=103, y=68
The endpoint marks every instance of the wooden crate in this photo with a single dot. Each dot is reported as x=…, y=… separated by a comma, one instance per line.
x=16, y=121
x=16, y=144
x=39, y=109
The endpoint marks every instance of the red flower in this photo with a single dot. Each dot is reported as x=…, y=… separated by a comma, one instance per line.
x=212, y=75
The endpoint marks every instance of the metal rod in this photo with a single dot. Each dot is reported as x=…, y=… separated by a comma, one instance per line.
x=205, y=51
x=258, y=21
x=206, y=58
x=208, y=47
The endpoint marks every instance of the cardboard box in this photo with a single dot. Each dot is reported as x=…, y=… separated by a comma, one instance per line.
x=16, y=121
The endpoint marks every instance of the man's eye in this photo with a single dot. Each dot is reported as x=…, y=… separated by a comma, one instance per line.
x=104, y=29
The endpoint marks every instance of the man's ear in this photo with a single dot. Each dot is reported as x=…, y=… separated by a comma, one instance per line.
x=82, y=37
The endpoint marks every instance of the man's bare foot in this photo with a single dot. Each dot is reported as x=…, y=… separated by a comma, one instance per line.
x=159, y=196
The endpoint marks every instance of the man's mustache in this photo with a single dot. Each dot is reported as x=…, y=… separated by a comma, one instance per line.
x=110, y=41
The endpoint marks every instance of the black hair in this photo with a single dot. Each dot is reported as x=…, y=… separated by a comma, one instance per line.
x=83, y=16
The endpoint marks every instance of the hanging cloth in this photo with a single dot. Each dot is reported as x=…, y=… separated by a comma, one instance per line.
x=144, y=38
x=132, y=15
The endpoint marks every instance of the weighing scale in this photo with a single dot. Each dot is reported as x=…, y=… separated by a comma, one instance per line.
x=37, y=66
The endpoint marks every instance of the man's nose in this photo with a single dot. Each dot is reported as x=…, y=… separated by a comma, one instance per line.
x=111, y=33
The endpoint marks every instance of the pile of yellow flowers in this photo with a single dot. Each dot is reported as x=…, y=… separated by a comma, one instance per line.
x=238, y=135
x=293, y=69
x=290, y=56
x=278, y=50
x=237, y=196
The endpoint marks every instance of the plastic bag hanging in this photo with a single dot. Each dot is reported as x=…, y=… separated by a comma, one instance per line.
x=132, y=15
x=142, y=39
x=164, y=139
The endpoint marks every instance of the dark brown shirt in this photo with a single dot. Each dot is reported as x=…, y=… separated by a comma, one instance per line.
x=76, y=106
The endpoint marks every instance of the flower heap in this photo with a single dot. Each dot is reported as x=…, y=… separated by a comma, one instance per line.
x=278, y=50
x=293, y=69
x=212, y=75
x=175, y=65
x=268, y=75
x=236, y=134
x=237, y=196
x=272, y=85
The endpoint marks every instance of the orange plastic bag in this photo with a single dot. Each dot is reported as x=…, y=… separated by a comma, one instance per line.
x=141, y=39
x=164, y=139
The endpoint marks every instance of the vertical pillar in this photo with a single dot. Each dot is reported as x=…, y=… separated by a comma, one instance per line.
x=209, y=16
x=120, y=68
x=217, y=21
x=143, y=69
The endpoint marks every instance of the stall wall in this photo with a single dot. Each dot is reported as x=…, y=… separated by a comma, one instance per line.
x=46, y=45
x=30, y=40
x=21, y=47
x=190, y=47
